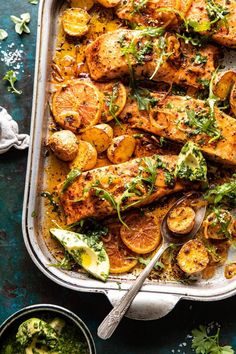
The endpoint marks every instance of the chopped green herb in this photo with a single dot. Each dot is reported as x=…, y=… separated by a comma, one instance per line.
x=191, y=164
x=204, y=343
x=33, y=2
x=202, y=122
x=200, y=59
x=216, y=11
x=223, y=220
x=162, y=141
x=21, y=23
x=33, y=214
x=143, y=97
x=10, y=76
x=72, y=175
x=3, y=34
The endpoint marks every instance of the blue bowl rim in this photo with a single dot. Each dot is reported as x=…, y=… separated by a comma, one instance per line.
x=51, y=308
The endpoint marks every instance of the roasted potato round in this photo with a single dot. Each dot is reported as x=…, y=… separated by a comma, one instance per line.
x=212, y=225
x=75, y=22
x=181, y=220
x=192, y=257
x=64, y=145
x=109, y=3
x=83, y=4
x=232, y=99
x=86, y=158
x=230, y=270
x=99, y=136
x=223, y=84
x=121, y=149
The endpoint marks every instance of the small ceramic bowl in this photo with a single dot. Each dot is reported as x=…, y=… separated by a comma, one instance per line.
x=35, y=311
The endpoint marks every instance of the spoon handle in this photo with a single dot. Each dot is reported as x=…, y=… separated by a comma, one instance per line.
x=111, y=321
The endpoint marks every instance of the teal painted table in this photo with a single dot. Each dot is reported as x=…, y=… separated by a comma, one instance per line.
x=22, y=284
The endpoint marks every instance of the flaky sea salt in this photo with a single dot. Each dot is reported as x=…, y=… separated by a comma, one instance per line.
x=12, y=57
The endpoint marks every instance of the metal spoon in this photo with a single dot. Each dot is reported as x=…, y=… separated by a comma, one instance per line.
x=111, y=321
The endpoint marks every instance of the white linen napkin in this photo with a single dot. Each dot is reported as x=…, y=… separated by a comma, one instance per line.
x=9, y=136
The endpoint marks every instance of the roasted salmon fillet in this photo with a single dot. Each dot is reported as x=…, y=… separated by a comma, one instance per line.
x=111, y=189
x=222, y=31
x=183, y=119
x=217, y=17
x=160, y=58
x=148, y=13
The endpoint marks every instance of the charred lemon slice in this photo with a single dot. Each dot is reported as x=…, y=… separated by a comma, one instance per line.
x=114, y=100
x=77, y=105
x=121, y=258
x=75, y=22
x=142, y=234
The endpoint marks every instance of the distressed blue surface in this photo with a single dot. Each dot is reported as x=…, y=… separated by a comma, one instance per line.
x=21, y=283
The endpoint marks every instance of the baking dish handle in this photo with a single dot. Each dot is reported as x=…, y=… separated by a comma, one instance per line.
x=146, y=306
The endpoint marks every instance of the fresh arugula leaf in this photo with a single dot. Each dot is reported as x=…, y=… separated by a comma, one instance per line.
x=204, y=343
x=110, y=102
x=194, y=38
x=72, y=175
x=138, y=6
x=216, y=11
x=199, y=26
x=3, y=34
x=52, y=200
x=202, y=122
x=21, y=23
x=223, y=194
x=146, y=261
x=163, y=55
x=10, y=76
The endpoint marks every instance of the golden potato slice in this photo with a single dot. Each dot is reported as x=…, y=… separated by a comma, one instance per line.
x=76, y=105
x=181, y=220
x=109, y=3
x=121, y=149
x=212, y=225
x=192, y=257
x=86, y=158
x=223, y=84
x=114, y=100
x=99, y=136
x=75, y=22
x=83, y=4
x=232, y=99
x=230, y=270
x=64, y=145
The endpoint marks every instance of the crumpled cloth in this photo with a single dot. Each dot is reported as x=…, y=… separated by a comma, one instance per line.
x=9, y=136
